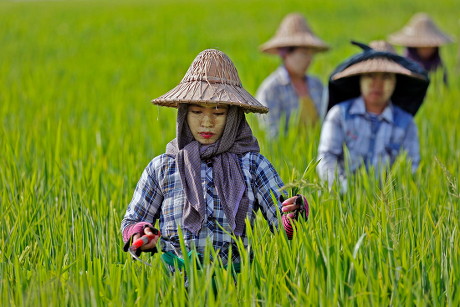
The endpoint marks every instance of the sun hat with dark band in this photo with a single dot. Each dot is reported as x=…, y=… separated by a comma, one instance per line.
x=420, y=32
x=294, y=32
x=211, y=78
x=411, y=79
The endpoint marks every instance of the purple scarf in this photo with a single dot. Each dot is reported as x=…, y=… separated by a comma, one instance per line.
x=228, y=177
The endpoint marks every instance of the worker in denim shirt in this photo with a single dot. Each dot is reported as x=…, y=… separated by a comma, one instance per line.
x=289, y=92
x=373, y=97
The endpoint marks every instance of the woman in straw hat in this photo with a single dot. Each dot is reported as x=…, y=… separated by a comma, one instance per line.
x=373, y=97
x=212, y=176
x=382, y=45
x=289, y=92
x=423, y=39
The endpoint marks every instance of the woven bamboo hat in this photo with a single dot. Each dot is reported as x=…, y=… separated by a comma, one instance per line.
x=420, y=32
x=411, y=79
x=376, y=61
x=211, y=78
x=294, y=32
x=382, y=45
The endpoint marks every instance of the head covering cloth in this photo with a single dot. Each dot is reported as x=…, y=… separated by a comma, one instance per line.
x=412, y=80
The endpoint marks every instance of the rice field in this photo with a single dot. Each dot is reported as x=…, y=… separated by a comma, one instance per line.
x=77, y=129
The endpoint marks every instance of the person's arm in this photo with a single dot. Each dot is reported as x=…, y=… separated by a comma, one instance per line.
x=268, y=183
x=267, y=95
x=144, y=207
x=412, y=146
x=330, y=148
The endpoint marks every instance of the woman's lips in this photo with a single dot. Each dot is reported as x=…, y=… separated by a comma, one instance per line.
x=206, y=135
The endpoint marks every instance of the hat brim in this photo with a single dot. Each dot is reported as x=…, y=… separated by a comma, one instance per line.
x=307, y=41
x=418, y=41
x=198, y=92
x=375, y=65
x=411, y=79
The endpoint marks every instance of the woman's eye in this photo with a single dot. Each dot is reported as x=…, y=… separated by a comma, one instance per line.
x=220, y=113
x=195, y=112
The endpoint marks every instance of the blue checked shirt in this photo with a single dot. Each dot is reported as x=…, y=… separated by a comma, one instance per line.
x=277, y=93
x=372, y=140
x=159, y=195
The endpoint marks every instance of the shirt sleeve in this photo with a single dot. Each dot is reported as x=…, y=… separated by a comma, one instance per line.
x=268, y=183
x=412, y=146
x=268, y=96
x=146, y=202
x=331, y=146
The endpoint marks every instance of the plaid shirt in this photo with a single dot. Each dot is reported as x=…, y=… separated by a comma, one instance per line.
x=278, y=94
x=159, y=195
x=372, y=140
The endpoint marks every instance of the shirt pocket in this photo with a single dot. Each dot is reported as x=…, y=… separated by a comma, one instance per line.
x=354, y=141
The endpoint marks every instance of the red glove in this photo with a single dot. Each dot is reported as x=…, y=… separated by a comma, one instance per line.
x=293, y=208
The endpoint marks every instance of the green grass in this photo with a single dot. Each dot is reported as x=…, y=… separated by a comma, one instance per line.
x=77, y=129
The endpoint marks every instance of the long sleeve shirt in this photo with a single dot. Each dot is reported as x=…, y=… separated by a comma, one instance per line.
x=160, y=195
x=372, y=140
x=278, y=94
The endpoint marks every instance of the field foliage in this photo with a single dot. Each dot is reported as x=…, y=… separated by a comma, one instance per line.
x=77, y=129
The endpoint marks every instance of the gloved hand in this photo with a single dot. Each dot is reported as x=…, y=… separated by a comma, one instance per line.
x=293, y=208
x=138, y=231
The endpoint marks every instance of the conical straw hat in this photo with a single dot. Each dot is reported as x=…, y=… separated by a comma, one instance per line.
x=412, y=80
x=294, y=32
x=375, y=65
x=211, y=78
x=420, y=32
x=381, y=45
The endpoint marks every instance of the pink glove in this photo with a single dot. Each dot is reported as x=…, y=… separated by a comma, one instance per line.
x=293, y=208
x=131, y=230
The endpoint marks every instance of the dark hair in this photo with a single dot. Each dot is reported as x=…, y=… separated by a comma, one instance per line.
x=431, y=64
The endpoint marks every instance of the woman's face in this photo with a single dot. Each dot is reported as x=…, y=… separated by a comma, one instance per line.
x=207, y=121
x=377, y=88
x=425, y=53
x=299, y=60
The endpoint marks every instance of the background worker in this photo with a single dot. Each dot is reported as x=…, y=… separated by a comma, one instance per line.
x=423, y=39
x=290, y=92
x=373, y=97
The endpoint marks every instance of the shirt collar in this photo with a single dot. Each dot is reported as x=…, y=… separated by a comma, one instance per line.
x=359, y=108
x=283, y=75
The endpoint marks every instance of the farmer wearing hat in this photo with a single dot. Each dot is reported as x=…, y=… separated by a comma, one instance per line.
x=289, y=92
x=423, y=39
x=373, y=97
x=382, y=45
x=212, y=176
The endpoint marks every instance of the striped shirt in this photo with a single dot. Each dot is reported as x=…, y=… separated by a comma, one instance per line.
x=159, y=195
x=277, y=93
x=372, y=140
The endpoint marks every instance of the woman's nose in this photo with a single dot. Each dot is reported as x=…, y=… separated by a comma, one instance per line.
x=207, y=121
x=377, y=82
